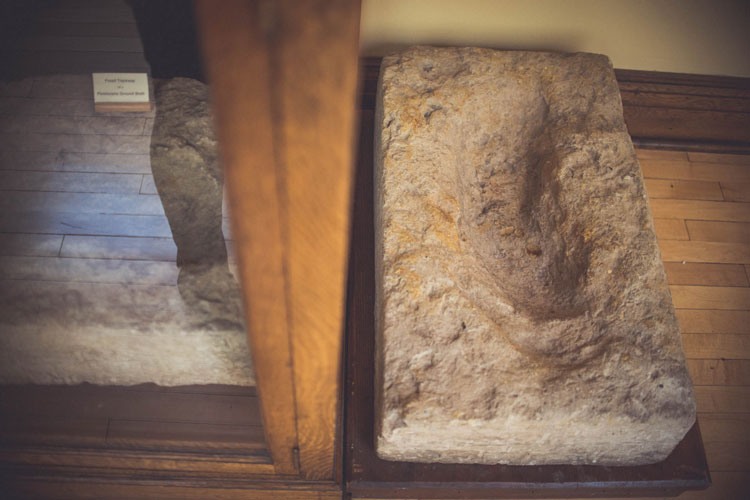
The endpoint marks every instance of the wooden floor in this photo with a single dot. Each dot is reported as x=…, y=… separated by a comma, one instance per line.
x=701, y=208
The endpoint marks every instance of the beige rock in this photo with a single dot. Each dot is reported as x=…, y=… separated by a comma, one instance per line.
x=523, y=314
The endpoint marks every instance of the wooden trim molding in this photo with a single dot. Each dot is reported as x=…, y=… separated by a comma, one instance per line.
x=284, y=80
x=238, y=63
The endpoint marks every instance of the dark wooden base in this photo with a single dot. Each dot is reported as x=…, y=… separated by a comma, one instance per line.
x=88, y=441
x=368, y=476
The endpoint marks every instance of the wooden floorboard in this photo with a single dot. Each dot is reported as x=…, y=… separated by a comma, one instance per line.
x=684, y=190
x=94, y=30
x=694, y=273
x=75, y=143
x=84, y=43
x=30, y=160
x=39, y=245
x=111, y=125
x=107, y=247
x=68, y=201
x=71, y=182
x=87, y=270
x=726, y=346
x=705, y=251
x=692, y=171
x=718, y=231
x=713, y=321
x=106, y=162
x=718, y=158
x=58, y=107
x=701, y=210
x=671, y=229
x=154, y=226
x=719, y=371
x=738, y=191
x=710, y=297
x=723, y=399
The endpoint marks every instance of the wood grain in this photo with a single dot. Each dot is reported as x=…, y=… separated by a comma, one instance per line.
x=692, y=124
x=88, y=270
x=70, y=182
x=41, y=245
x=53, y=202
x=225, y=489
x=709, y=346
x=660, y=154
x=30, y=160
x=704, y=251
x=719, y=231
x=301, y=67
x=719, y=371
x=696, y=156
x=115, y=125
x=738, y=191
x=701, y=210
x=670, y=229
x=119, y=247
x=713, y=321
x=106, y=162
x=318, y=81
x=725, y=427
x=723, y=399
x=710, y=297
x=185, y=436
x=238, y=63
x=684, y=190
x=684, y=170
x=75, y=143
x=690, y=273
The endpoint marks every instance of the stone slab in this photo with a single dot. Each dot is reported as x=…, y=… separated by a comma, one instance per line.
x=522, y=309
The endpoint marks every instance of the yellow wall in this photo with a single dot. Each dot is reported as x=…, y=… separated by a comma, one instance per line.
x=683, y=36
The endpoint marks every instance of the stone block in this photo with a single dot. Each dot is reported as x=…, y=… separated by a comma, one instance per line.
x=522, y=310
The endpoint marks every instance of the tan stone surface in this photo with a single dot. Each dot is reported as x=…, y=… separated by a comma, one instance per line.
x=523, y=315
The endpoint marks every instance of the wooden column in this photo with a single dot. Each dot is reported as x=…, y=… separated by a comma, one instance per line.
x=283, y=76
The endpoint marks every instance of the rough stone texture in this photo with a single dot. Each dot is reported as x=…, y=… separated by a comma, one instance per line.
x=523, y=315
x=189, y=181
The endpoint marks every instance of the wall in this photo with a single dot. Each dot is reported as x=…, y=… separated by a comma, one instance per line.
x=681, y=36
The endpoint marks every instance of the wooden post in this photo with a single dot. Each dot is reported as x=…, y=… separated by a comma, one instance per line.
x=284, y=79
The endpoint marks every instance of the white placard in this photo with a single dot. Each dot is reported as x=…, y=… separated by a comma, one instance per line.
x=120, y=87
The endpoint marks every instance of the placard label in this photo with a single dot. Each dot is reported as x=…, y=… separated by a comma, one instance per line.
x=120, y=87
